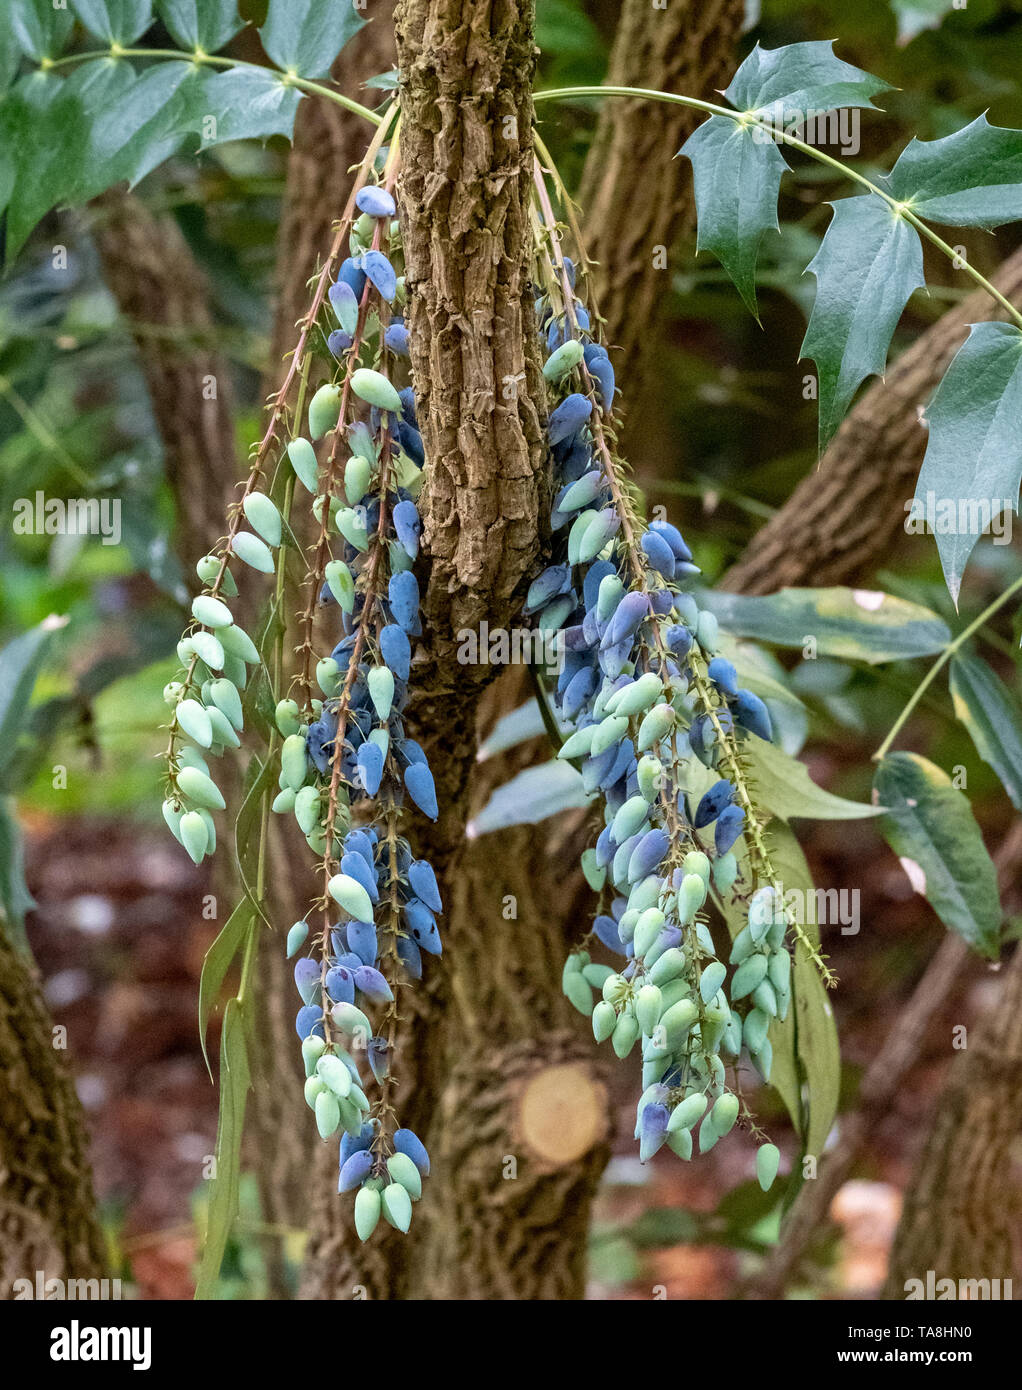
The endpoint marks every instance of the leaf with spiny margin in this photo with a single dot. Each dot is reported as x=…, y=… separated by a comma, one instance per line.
x=737, y=179
x=205, y=24
x=868, y=266
x=76, y=136
x=42, y=30
x=305, y=36
x=992, y=714
x=801, y=77
x=973, y=459
x=972, y=178
x=916, y=15
x=115, y=21
x=930, y=826
x=244, y=104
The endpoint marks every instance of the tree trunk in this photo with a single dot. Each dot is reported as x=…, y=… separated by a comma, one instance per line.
x=48, y=1217
x=962, y=1217
x=494, y=1071
x=633, y=190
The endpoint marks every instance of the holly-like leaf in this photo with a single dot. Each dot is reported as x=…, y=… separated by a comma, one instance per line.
x=972, y=178
x=993, y=716
x=115, y=21
x=736, y=173
x=305, y=36
x=973, y=461
x=240, y=104
x=853, y=624
x=205, y=24
x=916, y=15
x=868, y=265
x=930, y=826
x=801, y=78
x=41, y=29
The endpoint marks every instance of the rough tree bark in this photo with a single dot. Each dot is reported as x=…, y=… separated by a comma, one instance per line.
x=491, y=1238
x=47, y=1207
x=156, y=282
x=632, y=192
x=962, y=1217
x=492, y=1049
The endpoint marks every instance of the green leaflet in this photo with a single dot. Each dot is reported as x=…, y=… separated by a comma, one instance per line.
x=930, y=826
x=801, y=77
x=223, y=1202
x=973, y=459
x=15, y=899
x=40, y=28
x=993, y=716
x=205, y=24
x=115, y=21
x=259, y=782
x=76, y=136
x=784, y=787
x=239, y=104
x=854, y=624
x=20, y=661
x=216, y=963
x=305, y=36
x=805, y=1045
x=916, y=15
x=866, y=269
x=532, y=796
x=972, y=178
x=737, y=178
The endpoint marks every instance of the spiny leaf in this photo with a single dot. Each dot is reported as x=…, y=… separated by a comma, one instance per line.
x=305, y=36
x=737, y=179
x=801, y=77
x=929, y=824
x=916, y=15
x=853, y=624
x=866, y=269
x=993, y=716
x=240, y=104
x=973, y=459
x=205, y=24
x=972, y=178
x=115, y=21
